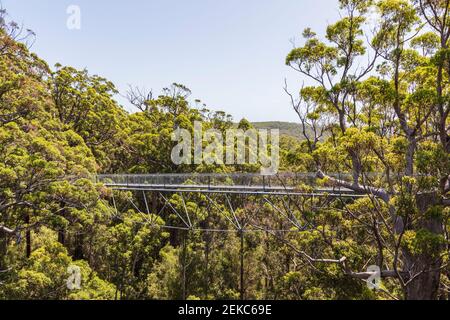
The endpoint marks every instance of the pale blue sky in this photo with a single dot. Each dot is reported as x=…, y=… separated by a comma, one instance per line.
x=229, y=53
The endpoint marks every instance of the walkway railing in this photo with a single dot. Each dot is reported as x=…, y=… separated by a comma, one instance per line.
x=292, y=183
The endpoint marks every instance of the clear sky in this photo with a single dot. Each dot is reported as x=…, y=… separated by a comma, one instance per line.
x=230, y=53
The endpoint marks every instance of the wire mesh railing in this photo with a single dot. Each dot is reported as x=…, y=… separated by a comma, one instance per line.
x=292, y=181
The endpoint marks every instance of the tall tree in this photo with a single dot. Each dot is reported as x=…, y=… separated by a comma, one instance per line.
x=388, y=121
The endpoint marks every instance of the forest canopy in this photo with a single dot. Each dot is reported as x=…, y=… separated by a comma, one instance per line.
x=373, y=107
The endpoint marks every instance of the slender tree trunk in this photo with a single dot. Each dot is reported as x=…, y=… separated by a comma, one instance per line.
x=183, y=267
x=410, y=152
x=241, y=253
x=3, y=249
x=79, y=242
x=62, y=237
x=28, y=237
x=207, y=280
x=357, y=168
x=154, y=207
x=61, y=232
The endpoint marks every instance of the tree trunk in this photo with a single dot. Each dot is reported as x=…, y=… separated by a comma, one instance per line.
x=183, y=266
x=62, y=237
x=3, y=249
x=28, y=249
x=241, y=254
x=28, y=237
x=154, y=203
x=79, y=243
x=425, y=266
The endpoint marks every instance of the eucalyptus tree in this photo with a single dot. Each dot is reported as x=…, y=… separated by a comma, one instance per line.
x=382, y=75
x=85, y=104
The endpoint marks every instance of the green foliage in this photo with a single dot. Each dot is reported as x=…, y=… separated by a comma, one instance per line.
x=60, y=127
x=424, y=242
x=44, y=276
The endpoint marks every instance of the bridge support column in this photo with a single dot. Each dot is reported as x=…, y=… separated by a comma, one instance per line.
x=242, y=284
x=183, y=265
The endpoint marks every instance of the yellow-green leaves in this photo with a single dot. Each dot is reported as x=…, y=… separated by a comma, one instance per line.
x=423, y=242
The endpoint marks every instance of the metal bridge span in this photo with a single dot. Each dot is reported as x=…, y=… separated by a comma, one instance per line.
x=281, y=192
x=286, y=184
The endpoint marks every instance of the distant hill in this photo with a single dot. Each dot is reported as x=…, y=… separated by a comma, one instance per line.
x=290, y=129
